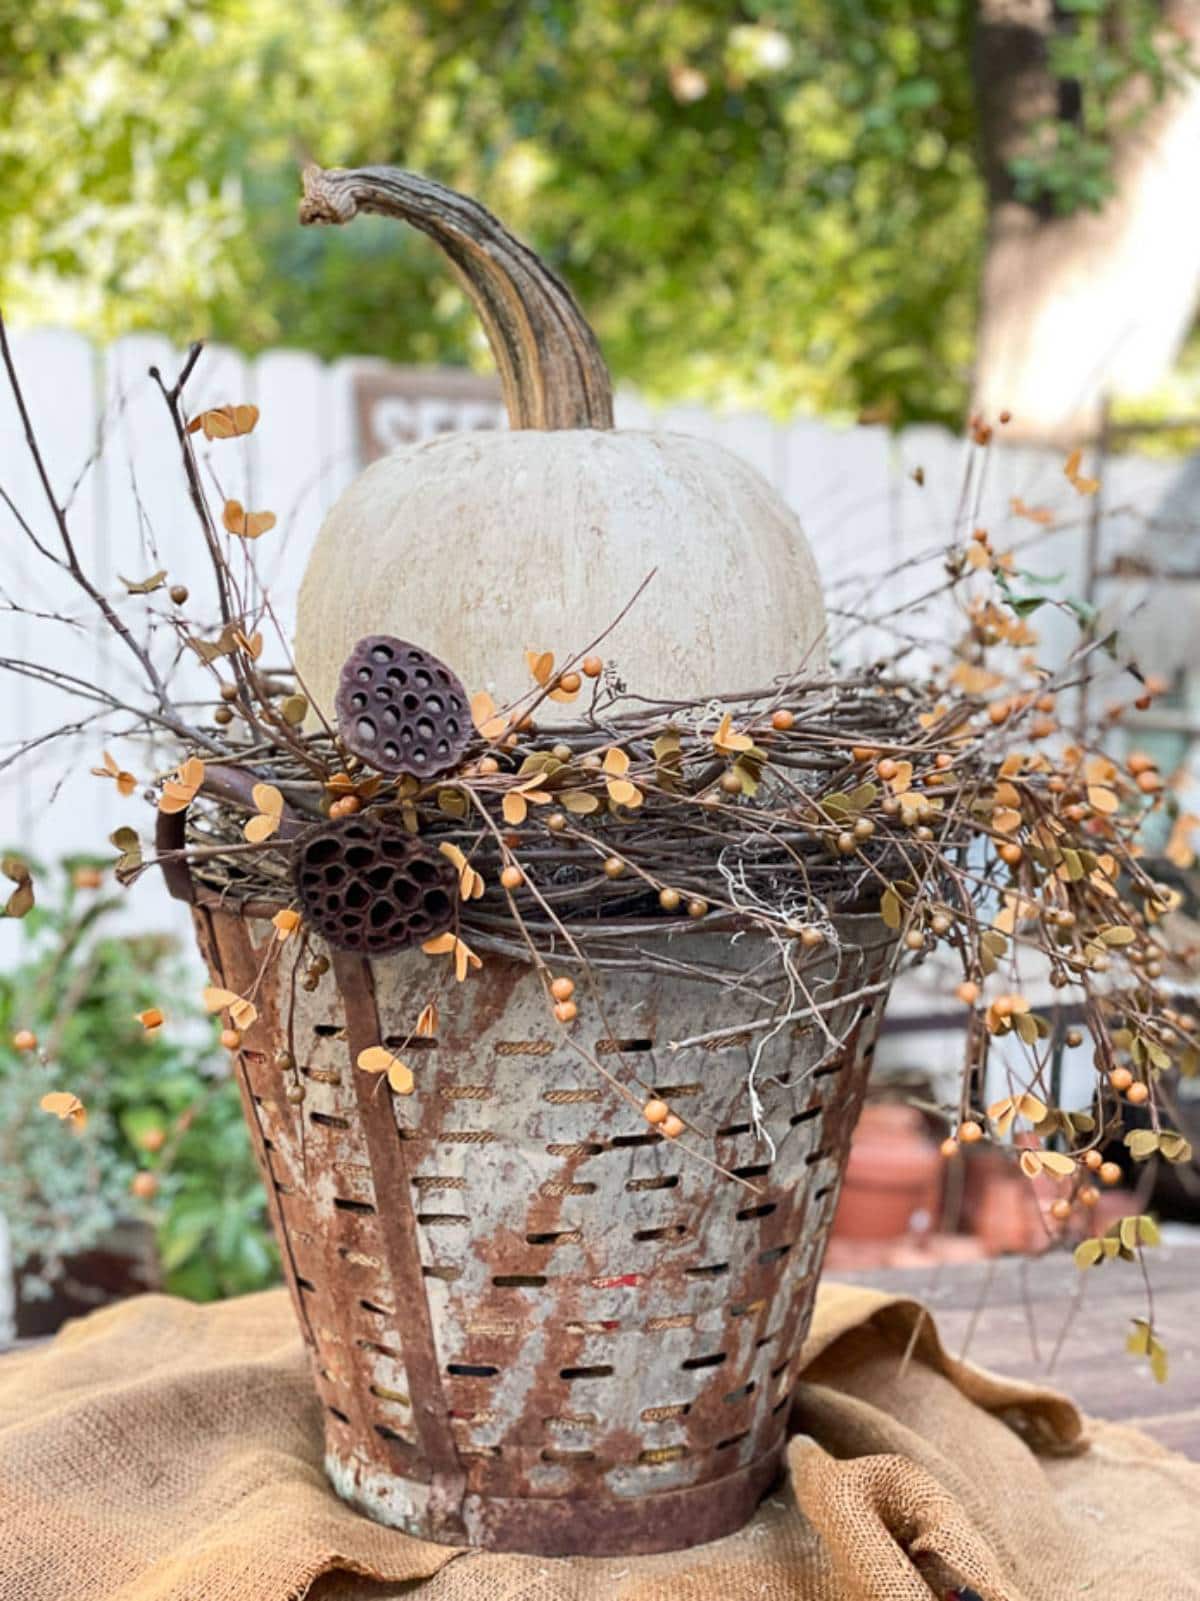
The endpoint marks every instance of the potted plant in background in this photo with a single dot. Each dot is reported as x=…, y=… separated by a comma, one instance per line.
x=164, y=1192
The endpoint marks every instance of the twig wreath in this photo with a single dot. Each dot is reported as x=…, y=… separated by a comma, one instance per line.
x=413, y=814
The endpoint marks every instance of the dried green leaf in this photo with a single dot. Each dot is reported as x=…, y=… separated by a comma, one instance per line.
x=1088, y=1253
x=293, y=709
x=890, y=909
x=1141, y=1143
x=1147, y=1231
x=1174, y=1147
x=145, y=586
x=579, y=801
x=127, y=841
x=1117, y=934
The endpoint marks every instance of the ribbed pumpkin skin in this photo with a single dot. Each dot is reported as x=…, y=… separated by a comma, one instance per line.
x=479, y=545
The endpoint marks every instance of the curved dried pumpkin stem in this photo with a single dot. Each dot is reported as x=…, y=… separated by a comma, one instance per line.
x=550, y=364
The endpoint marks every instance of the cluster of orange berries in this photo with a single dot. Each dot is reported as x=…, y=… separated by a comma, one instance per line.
x=1133, y=1089
x=660, y=1116
x=562, y=989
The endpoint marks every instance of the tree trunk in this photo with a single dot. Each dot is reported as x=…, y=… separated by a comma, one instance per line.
x=1076, y=308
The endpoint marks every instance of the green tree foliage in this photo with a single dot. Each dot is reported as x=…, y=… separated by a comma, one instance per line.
x=758, y=202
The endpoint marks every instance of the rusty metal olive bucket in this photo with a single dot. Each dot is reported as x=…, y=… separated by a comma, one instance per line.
x=534, y=1323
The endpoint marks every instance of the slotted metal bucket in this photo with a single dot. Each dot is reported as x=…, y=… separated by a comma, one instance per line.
x=534, y=1323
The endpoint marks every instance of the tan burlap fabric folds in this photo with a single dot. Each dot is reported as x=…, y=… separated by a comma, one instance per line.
x=159, y=1451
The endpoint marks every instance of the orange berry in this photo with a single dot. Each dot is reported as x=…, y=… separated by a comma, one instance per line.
x=512, y=877
x=656, y=1111
x=562, y=988
x=915, y=939
x=230, y=1039
x=886, y=767
x=731, y=783
x=1045, y=703
x=942, y=760
x=697, y=908
x=672, y=1126
x=1073, y=1037
x=1061, y=1210
x=1076, y=813
x=669, y=899
x=144, y=1186
x=1120, y=1078
x=1110, y=1173
x=593, y=666
x=970, y=1132
x=570, y=682
x=783, y=720
x=998, y=711
x=566, y=1011
x=614, y=867
x=1139, y=762
x=968, y=992
x=152, y=1139
x=1093, y=1159
x=1137, y=1094
x=345, y=807
x=1011, y=853
x=556, y=822
x=811, y=937
x=24, y=1040
x=949, y=1148
x=1089, y=1195
x=1144, y=702
x=489, y=765
x=846, y=844
x=87, y=878
x=1148, y=782
x=862, y=753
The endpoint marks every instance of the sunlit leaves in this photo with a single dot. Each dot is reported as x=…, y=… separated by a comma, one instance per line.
x=450, y=945
x=1144, y=1342
x=125, y=782
x=1078, y=482
x=67, y=1107
x=1143, y=1143
x=727, y=741
x=145, y=586
x=621, y=789
x=1034, y=1163
x=269, y=802
x=129, y=845
x=21, y=899
x=224, y=422
x=246, y=524
x=1003, y=1113
x=470, y=883
x=488, y=721
x=378, y=1059
x=242, y=1013
x=179, y=792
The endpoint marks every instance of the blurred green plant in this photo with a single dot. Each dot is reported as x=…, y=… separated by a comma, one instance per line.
x=164, y=1139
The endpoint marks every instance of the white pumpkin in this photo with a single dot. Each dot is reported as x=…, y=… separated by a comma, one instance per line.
x=479, y=545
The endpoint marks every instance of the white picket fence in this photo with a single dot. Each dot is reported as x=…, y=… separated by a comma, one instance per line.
x=867, y=500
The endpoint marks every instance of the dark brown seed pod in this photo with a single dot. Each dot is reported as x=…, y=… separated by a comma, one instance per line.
x=368, y=886
x=400, y=709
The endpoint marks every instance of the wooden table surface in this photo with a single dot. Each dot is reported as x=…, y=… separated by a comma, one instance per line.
x=1008, y=1314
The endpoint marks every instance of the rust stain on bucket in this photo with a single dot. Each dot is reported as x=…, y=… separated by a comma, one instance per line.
x=534, y=1323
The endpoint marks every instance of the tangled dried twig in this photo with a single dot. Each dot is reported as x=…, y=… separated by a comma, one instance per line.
x=953, y=808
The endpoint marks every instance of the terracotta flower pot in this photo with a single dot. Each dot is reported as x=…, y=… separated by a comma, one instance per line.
x=894, y=1174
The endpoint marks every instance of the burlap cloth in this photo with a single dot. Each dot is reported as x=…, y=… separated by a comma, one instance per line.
x=160, y=1451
